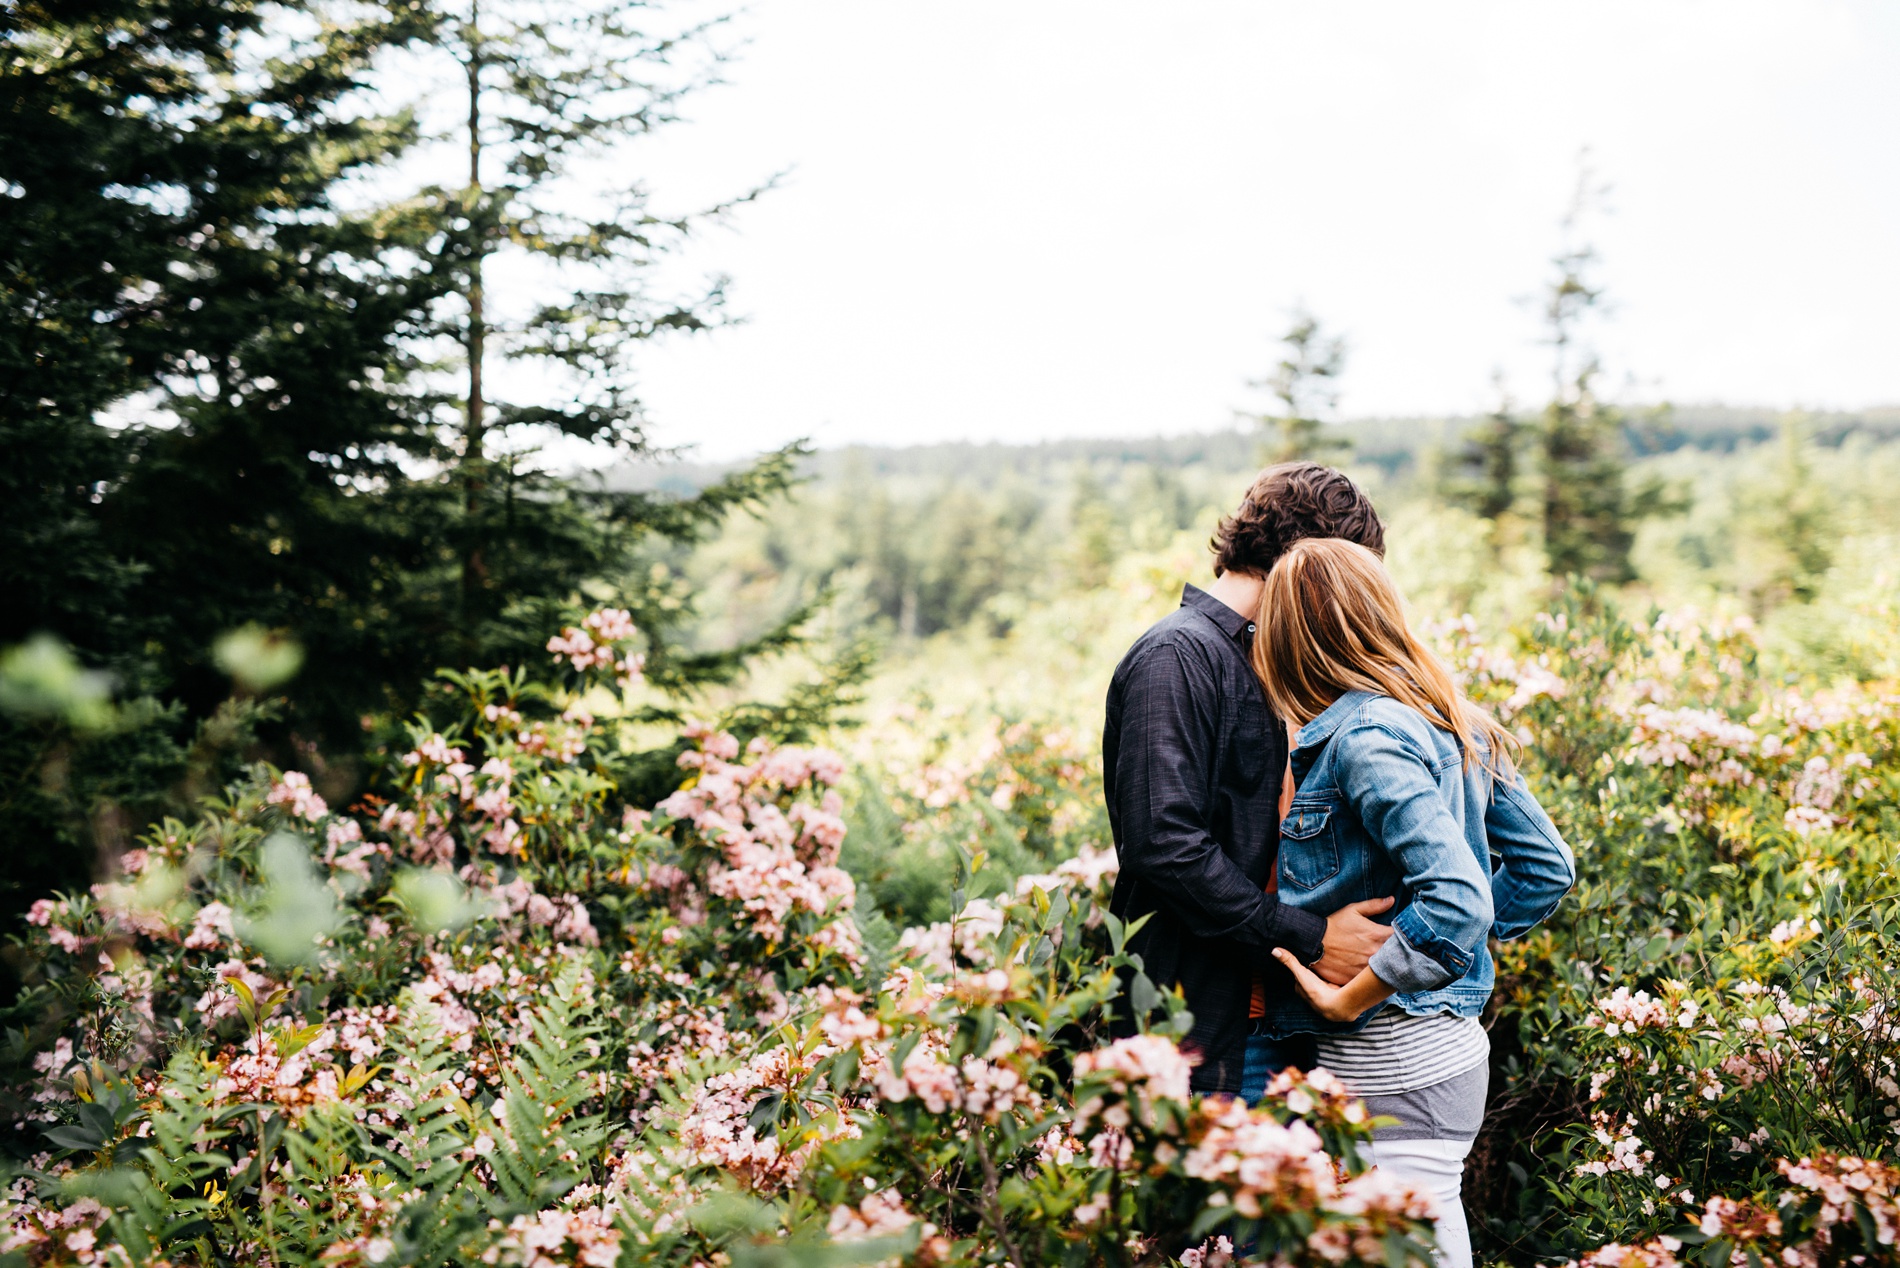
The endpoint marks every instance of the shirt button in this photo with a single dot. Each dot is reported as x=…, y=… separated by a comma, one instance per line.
x=1250, y=627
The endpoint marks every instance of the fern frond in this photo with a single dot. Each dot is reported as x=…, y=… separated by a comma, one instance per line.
x=549, y=1146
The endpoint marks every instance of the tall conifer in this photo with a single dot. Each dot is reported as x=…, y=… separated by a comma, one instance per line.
x=1306, y=385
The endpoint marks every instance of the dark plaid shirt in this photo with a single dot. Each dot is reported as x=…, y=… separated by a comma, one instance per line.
x=1192, y=762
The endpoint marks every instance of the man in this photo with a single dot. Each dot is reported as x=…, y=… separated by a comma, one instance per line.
x=1194, y=764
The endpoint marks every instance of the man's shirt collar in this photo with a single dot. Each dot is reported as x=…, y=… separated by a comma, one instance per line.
x=1231, y=623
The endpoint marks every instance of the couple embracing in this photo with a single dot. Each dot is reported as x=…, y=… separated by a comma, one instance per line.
x=1322, y=831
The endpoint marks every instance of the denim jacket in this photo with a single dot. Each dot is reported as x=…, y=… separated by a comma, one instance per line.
x=1384, y=807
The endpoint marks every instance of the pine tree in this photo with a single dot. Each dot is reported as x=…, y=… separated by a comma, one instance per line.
x=550, y=93
x=1486, y=474
x=177, y=242
x=164, y=229
x=179, y=248
x=154, y=160
x=1305, y=385
x=1588, y=516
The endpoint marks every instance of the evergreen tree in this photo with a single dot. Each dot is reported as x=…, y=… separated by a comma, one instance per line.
x=176, y=240
x=1305, y=383
x=1486, y=474
x=163, y=230
x=547, y=89
x=1589, y=525
x=1588, y=514
x=153, y=160
x=226, y=388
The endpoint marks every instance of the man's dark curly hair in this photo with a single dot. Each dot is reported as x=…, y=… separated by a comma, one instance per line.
x=1288, y=502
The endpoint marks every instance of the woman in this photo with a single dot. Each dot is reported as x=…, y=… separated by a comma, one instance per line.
x=1404, y=789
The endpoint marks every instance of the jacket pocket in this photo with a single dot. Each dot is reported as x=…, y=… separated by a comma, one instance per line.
x=1309, y=846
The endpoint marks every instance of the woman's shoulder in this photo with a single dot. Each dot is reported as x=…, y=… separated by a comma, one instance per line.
x=1377, y=710
x=1379, y=716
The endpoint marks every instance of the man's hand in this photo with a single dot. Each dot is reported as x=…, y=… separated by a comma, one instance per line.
x=1351, y=938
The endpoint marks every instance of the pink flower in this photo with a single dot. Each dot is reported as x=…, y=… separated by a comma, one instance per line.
x=210, y=928
x=294, y=791
x=1216, y=1253
x=718, y=1131
x=882, y=1214
x=1149, y=1064
x=434, y=749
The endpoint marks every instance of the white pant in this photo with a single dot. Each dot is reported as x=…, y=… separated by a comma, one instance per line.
x=1438, y=1167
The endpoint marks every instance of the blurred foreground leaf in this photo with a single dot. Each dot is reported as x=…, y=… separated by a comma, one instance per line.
x=436, y=902
x=258, y=659
x=41, y=679
x=294, y=906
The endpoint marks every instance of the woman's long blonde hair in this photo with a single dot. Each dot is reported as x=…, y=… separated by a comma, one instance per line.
x=1331, y=621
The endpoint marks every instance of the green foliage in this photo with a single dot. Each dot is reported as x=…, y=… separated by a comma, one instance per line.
x=1487, y=474
x=660, y=1033
x=233, y=450
x=1708, y=1010
x=1587, y=521
x=1020, y=794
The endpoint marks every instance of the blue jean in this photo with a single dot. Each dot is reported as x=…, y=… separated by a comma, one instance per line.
x=1267, y=1057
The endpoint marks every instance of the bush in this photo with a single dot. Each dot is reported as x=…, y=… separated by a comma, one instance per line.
x=509, y=1009
x=1710, y=1014
x=497, y=1014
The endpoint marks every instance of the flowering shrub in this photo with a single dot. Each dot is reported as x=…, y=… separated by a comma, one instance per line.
x=1024, y=796
x=503, y=1010
x=496, y=1013
x=1712, y=1005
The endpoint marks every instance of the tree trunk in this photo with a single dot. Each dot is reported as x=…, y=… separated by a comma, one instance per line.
x=474, y=567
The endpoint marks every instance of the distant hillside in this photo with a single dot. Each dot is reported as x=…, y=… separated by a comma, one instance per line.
x=1395, y=445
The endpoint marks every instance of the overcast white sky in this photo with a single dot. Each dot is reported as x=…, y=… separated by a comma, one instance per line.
x=1029, y=219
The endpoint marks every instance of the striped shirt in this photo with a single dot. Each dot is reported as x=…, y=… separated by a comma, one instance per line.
x=1398, y=1052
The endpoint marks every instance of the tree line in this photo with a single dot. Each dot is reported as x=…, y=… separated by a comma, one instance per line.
x=1562, y=473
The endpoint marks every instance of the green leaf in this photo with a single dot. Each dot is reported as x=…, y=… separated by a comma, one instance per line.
x=1142, y=996
x=258, y=659
x=1042, y=953
x=246, y=1001
x=764, y=1116
x=292, y=1041
x=294, y=908
x=98, y=1119
x=80, y=1138
x=1869, y=1232
x=905, y=1046
x=844, y=1068
x=985, y=1032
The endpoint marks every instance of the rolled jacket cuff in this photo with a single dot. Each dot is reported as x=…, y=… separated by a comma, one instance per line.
x=1303, y=933
x=1406, y=969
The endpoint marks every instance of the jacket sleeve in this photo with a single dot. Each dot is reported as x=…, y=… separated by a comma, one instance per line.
x=1162, y=778
x=1535, y=868
x=1390, y=785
